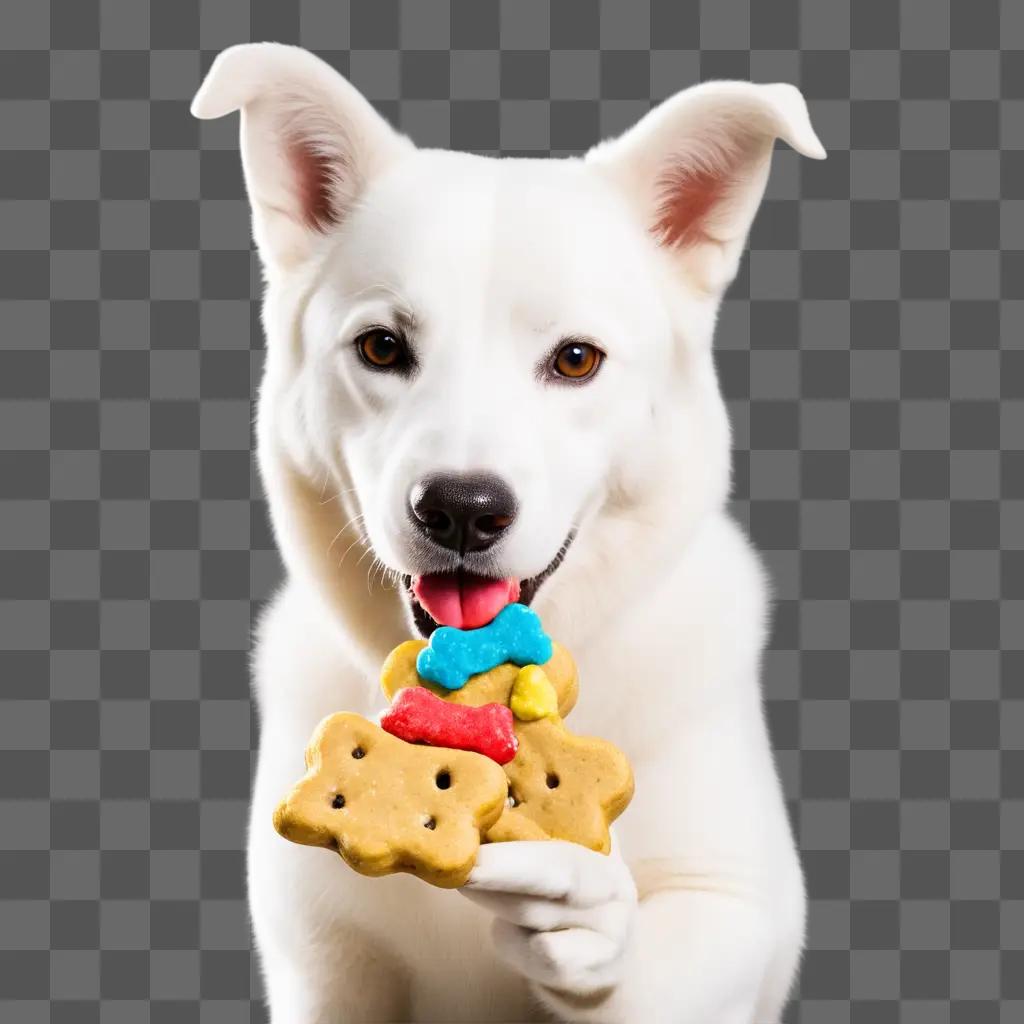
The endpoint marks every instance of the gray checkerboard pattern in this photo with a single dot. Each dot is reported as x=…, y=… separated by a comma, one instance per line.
x=872, y=351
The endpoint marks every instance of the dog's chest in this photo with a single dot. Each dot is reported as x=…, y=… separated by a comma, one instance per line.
x=442, y=941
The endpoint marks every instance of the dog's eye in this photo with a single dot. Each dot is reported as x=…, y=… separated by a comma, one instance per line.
x=577, y=360
x=382, y=349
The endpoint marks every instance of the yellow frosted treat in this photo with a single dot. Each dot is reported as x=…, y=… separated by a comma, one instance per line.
x=533, y=696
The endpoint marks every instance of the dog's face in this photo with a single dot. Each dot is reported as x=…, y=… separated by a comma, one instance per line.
x=497, y=348
x=481, y=361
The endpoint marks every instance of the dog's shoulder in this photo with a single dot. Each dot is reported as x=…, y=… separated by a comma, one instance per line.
x=300, y=662
x=722, y=573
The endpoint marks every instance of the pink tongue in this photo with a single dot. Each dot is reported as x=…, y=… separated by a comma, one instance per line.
x=463, y=601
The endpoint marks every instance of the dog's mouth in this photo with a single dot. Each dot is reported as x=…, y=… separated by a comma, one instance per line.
x=467, y=600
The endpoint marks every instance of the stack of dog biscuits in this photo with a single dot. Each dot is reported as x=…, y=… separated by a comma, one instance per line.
x=472, y=749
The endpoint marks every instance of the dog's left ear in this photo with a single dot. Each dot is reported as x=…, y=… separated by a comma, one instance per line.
x=695, y=168
x=310, y=143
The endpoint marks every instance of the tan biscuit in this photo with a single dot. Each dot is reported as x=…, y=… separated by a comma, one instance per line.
x=386, y=805
x=563, y=786
x=399, y=671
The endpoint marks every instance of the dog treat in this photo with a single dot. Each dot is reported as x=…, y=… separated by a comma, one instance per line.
x=417, y=716
x=386, y=805
x=464, y=755
x=453, y=655
x=562, y=786
x=492, y=687
x=532, y=695
x=598, y=779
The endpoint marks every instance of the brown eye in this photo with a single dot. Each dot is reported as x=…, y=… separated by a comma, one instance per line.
x=382, y=350
x=577, y=360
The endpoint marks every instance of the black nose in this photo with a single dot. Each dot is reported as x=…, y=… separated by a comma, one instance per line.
x=462, y=512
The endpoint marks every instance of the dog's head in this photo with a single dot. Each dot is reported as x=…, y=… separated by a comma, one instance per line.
x=477, y=365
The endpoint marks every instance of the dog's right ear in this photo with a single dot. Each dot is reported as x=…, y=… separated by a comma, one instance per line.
x=310, y=142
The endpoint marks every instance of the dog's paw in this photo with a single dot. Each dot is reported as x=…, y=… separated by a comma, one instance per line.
x=563, y=913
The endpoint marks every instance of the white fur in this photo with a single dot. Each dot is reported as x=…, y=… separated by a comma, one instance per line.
x=660, y=598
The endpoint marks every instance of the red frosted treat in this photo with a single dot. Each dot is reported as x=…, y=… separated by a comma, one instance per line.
x=417, y=716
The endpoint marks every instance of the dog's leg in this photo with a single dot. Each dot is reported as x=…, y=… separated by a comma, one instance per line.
x=693, y=951
x=331, y=982
x=321, y=964
x=715, y=935
x=318, y=966
x=696, y=958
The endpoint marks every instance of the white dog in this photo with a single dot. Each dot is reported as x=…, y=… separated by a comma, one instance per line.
x=488, y=377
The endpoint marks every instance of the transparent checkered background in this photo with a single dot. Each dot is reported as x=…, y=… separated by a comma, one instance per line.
x=872, y=351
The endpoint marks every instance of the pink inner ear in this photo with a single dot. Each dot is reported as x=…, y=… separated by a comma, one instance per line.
x=688, y=194
x=313, y=181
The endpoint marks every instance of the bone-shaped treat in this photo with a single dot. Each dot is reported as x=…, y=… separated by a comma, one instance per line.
x=417, y=716
x=453, y=655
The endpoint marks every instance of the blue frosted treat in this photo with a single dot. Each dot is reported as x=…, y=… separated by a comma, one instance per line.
x=453, y=655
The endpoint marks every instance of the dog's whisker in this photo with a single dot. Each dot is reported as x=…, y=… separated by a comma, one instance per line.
x=356, y=519
x=373, y=571
x=336, y=496
x=386, y=576
x=334, y=540
x=359, y=539
x=368, y=551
